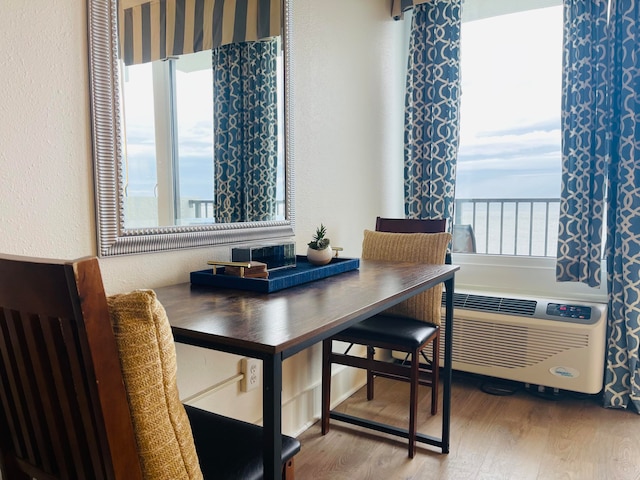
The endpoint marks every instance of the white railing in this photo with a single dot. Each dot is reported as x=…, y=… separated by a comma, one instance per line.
x=502, y=226
x=511, y=226
x=205, y=208
x=202, y=208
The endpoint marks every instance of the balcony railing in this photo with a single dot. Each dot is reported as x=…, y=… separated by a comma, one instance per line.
x=502, y=226
x=522, y=226
x=205, y=208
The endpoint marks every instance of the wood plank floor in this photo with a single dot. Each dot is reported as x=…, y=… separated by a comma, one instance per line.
x=521, y=436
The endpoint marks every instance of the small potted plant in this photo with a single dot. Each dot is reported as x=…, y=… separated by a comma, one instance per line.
x=319, y=251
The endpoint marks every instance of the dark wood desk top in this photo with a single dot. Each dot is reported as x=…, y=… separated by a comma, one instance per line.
x=287, y=321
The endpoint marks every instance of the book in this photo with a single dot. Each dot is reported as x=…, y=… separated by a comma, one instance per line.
x=256, y=270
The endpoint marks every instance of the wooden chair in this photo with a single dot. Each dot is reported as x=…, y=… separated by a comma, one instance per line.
x=415, y=225
x=64, y=408
x=408, y=328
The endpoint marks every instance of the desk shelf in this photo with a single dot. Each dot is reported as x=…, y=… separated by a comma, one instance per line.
x=303, y=272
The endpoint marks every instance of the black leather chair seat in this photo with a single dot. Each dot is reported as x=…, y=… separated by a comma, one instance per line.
x=384, y=329
x=230, y=448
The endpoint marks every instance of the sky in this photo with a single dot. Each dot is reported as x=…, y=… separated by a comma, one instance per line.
x=510, y=113
x=510, y=106
x=195, y=131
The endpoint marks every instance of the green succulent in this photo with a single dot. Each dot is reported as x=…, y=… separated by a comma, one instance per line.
x=320, y=242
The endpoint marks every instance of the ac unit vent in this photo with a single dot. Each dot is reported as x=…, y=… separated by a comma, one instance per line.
x=458, y=299
x=484, y=303
x=486, y=344
x=543, y=341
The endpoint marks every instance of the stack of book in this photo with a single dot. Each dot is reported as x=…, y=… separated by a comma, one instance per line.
x=254, y=270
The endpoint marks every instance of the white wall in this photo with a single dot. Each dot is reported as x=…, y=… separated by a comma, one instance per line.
x=349, y=92
x=348, y=117
x=46, y=205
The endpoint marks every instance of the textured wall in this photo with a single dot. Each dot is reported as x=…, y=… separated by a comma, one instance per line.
x=348, y=111
x=46, y=204
x=348, y=97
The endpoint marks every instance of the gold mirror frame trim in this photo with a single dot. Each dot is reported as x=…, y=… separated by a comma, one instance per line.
x=113, y=237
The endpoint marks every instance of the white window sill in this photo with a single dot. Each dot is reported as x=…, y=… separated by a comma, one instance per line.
x=532, y=276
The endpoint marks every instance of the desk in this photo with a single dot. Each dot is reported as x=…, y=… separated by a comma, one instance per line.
x=275, y=326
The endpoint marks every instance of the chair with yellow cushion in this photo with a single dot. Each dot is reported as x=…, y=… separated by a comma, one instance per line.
x=408, y=327
x=82, y=399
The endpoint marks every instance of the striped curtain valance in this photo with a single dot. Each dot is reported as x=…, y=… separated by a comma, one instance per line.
x=156, y=29
x=398, y=7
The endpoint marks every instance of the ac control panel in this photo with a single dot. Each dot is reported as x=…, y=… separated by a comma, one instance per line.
x=578, y=312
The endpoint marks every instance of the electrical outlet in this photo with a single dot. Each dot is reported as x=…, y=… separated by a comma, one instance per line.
x=251, y=374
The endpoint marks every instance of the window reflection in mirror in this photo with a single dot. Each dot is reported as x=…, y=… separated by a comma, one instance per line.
x=169, y=153
x=123, y=29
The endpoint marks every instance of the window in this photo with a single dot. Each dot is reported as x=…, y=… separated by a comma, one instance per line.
x=168, y=123
x=168, y=126
x=509, y=163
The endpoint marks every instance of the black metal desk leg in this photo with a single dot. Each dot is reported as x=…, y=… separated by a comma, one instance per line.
x=448, y=343
x=272, y=416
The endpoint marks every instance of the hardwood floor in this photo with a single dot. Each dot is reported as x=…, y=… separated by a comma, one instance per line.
x=521, y=436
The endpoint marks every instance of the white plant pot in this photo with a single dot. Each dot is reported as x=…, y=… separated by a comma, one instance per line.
x=319, y=257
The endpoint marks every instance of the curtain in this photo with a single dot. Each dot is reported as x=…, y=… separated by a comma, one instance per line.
x=584, y=141
x=622, y=375
x=601, y=135
x=432, y=101
x=245, y=131
x=156, y=29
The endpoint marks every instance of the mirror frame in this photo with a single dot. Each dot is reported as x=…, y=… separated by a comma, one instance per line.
x=107, y=137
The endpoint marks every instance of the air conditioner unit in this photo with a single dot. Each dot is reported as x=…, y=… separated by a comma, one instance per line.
x=546, y=342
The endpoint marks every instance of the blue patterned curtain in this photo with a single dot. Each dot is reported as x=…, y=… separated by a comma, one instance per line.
x=601, y=146
x=245, y=131
x=432, y=103
x=622, y=376
x=585, y=127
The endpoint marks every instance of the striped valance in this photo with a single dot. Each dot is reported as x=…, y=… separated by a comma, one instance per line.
x=398, y=7
x=156, y=29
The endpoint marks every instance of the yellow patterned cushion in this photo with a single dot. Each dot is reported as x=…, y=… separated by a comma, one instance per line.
x=411, y=247
x=148, y=360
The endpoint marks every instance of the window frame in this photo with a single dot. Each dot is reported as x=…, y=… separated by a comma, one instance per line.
x=530, y=275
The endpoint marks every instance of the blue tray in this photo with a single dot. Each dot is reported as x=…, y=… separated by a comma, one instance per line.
x=303, y=272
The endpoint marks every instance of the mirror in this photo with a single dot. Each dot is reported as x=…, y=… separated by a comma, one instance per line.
x=177, y=220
